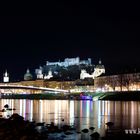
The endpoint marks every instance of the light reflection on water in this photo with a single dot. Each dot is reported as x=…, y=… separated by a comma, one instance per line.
x=81, y=114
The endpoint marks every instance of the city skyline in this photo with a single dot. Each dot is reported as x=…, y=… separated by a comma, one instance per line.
x=88, y=31
x=50, y=68
x=71, y=69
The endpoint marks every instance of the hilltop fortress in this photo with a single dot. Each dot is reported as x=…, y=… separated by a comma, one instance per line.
x=70, y=69
x=69, y=62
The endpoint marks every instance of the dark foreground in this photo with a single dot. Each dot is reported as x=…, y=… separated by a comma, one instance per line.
x=16, y=128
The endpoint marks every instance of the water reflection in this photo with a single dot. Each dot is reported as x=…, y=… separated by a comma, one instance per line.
x=71, y=113
x=82, y=114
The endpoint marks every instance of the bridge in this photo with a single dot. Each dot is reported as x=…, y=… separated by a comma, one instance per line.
x=10, y=88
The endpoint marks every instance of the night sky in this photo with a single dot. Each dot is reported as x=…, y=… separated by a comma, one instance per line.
x=110, y=31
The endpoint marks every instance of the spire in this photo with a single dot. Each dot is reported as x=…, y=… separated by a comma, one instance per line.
x=28, y=71
x=6, y=77
x=6, y=74
x=100, y=62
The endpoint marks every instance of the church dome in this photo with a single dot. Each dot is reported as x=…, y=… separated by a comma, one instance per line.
x=28, y=76
x=100, y=66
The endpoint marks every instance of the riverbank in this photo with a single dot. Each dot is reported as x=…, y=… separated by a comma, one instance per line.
x=112, y=96
x=121, y=96
x=48, y=96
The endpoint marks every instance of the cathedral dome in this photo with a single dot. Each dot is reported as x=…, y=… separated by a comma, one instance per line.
x=100, y=66
x=28, y=76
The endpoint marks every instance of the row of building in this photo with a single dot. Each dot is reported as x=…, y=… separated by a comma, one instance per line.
x=121, y=82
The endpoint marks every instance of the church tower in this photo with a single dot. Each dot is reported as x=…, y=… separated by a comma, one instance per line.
x=39, y=73
x=6, y=77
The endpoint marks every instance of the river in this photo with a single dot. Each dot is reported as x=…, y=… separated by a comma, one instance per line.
x=82, y=114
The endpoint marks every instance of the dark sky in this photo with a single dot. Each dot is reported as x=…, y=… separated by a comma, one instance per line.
x=110, y=31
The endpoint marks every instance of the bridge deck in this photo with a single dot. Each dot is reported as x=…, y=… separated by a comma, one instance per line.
x=8, y=86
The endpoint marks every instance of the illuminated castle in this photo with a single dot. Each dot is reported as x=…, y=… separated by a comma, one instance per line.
x=69, y=69
x=69, y=62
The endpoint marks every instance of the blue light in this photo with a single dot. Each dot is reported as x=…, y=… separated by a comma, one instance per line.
x=86, y=97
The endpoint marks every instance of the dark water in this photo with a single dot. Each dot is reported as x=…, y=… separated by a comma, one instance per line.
x=81, y=114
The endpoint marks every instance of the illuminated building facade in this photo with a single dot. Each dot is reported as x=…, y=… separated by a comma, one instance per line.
x=122, y=82
x=98, y=70
x=50, y=75
x=40, y=75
